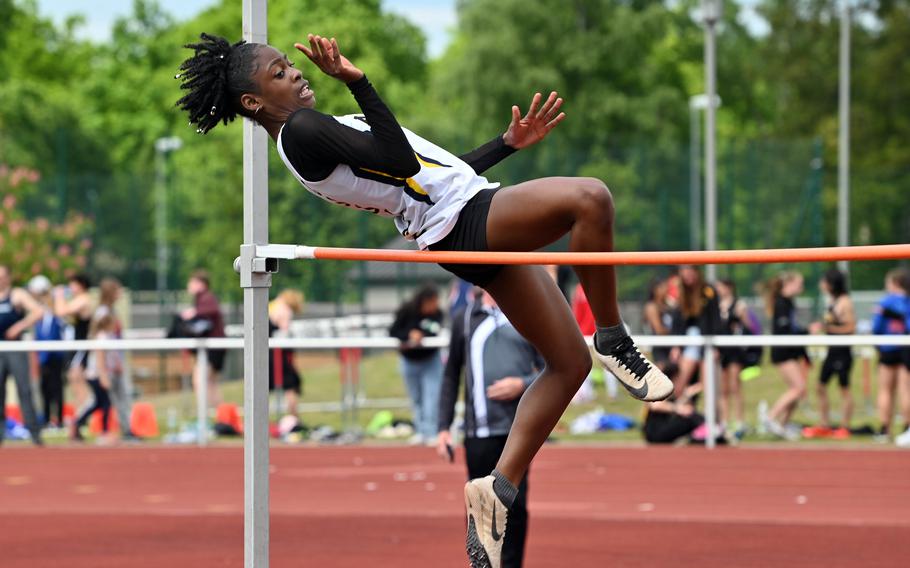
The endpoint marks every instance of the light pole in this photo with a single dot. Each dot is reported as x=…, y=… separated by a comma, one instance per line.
x=843, y=144
x=695, y=171
x=163, y=147
x=697, y=103
x=710, y=12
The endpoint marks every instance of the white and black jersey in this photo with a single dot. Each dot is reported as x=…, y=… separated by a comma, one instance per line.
x=369, y=162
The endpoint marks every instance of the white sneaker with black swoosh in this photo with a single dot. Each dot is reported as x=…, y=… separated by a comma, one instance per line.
x=641, y=378
x=486, y=523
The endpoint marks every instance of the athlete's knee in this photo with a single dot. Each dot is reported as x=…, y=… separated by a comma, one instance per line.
x=579, y=369
x=573, y=367
x=594, y=199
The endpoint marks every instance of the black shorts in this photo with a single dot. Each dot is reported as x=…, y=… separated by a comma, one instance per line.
x=890, y=358
x=290, y=379
x=838, y=362
x=905, y=354
x=784, y=354
x=216, y=358
x=470, y=234
x=732, y=355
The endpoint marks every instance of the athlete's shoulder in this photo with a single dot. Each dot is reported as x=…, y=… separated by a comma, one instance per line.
x=305, y=124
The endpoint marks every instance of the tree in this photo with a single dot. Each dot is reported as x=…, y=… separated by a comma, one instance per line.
x=38, y=246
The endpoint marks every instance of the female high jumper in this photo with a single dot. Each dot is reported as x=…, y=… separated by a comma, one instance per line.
x=370, y=163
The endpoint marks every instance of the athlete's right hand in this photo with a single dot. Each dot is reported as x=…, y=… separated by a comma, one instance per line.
x=324, y=53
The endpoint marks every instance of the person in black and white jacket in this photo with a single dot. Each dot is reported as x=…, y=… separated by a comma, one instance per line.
x=499, y=365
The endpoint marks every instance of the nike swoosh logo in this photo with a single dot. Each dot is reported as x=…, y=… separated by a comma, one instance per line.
x=639, y=392
x=496, y=536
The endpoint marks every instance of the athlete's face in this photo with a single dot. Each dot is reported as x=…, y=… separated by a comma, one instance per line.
x=282, y=88
x=689, y=275
x=793, y=287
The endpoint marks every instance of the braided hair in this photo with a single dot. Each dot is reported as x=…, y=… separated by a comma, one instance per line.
x=216, y=76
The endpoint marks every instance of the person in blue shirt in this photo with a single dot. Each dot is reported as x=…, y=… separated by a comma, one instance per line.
x=891, y=318
x=51, y=363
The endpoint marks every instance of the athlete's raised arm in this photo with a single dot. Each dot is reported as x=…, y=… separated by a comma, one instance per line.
x=318, y=143
x=522, y=132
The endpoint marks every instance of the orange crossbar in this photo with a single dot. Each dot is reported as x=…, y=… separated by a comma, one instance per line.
x=827, y=254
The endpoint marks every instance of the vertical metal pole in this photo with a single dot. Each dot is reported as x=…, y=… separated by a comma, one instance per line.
x=843, y=144
x=255, y=321
x=710, y=393
x=711, y=16
x=161, y=228
x=161, y=251
x=202, y=395
x=694, y=178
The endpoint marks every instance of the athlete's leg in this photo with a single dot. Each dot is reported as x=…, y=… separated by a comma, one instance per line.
x=903, y=391
x=736, y=391
x=798, y=382
x=534, y=305
x=823, y=404
x=533, y=214
x=796, y=388
x=887, y=381
x=847, y=398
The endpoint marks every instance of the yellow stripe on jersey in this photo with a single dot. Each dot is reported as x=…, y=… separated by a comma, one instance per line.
x=409, y=185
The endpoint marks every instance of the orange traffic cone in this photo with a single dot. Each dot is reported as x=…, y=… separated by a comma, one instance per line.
x=69, y=412
x=94, y=423
x=143, y=422
x=14, y=413
x=228, y=413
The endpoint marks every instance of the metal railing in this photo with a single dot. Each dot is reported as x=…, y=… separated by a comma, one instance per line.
x=202, y=346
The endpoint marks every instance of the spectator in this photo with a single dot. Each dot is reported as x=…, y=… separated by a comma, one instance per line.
x=667, y=421
x=119, y=391
x=791, y=362
x=18, y=312
x=102, y=370
x=421, y=367
x=75, y=302
x=734, y=320
x=460, y=294
x=281, y=313
x=700, y=315
x=891, y=319
x=49, y=328
x=660, y=319
x=840, y=319
x=205, y=315
x=499, y=366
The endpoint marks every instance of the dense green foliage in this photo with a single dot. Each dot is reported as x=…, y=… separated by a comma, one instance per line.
x=86, y=116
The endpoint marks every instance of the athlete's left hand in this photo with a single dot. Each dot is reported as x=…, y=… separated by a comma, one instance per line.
x=508, y=388
x=534, y=126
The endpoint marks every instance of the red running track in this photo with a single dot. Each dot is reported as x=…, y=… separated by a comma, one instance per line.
x=390, y=506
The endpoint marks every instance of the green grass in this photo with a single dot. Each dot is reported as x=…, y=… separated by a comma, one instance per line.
x=380, y=379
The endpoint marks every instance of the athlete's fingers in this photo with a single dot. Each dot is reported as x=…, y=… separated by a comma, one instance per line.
x=304, y=50
x=516, y=114
x=553, y=110
x=535, y=102
x=316, y=48
x=326, y=50
x=545, y=108
x=552, y=124
x=337, y=53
